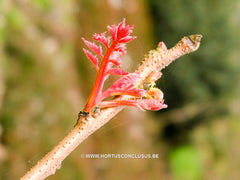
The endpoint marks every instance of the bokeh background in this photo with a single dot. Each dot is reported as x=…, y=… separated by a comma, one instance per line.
x=45, y=80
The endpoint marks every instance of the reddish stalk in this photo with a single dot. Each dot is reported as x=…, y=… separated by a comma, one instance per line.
x=98, y=85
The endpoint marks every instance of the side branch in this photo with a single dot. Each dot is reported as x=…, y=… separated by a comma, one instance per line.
x=154, y=61
x=158, y=59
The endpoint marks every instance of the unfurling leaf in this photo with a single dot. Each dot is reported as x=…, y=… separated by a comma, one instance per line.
x=144, y=96
x=102, y=38
x=92, y=58
x=97, y=49
x=116, y=71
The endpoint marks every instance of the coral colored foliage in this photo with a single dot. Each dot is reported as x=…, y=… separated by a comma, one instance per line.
x=111, y=63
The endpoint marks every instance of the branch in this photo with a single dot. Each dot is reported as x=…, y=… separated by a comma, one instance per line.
x=154, y=61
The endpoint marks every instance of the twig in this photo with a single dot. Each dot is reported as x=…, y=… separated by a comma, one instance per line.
x=154, y=61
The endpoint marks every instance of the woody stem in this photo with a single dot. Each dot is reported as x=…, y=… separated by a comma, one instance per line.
x=87, y=125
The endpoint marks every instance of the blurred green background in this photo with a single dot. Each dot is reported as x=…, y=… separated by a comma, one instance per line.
x=45, y=80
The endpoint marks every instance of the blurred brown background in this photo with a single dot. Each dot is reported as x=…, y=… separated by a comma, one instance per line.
x=45, y=80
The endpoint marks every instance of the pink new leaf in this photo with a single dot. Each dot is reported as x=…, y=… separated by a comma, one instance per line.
x=119, y=36
x=97, y=49
x=115, y=59
x=121, y=48
x=123, y=85
x=92, y=58
x=114, y=103
x=151, y=104
x=125, y=82
x=116, y=62
x=116, y=71
x=142, y=104
x=113, y=31
x=130, y=92
x=123, y=30
x=126, y=39
x=102, y=38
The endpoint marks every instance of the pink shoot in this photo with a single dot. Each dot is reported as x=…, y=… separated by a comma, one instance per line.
x=143, y=98
x=115, y=46
x=92, y=58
